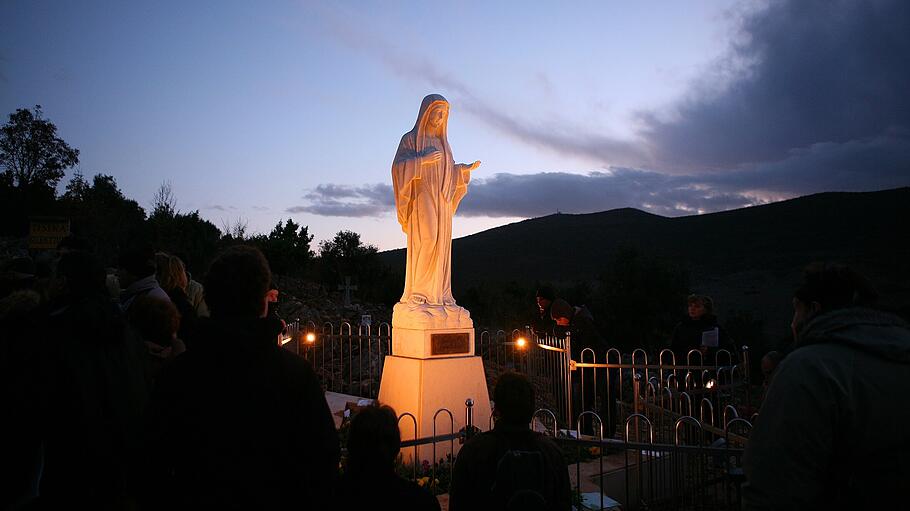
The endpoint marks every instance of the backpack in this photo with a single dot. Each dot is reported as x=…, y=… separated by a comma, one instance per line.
x=520, y=481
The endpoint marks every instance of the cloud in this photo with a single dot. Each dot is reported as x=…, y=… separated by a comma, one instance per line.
x=811, y=96
x=529, y=195
x=867, y=164
x=817, y=168
x=219, y=207
x=815, y=72
x=555, y=134
x=347, y=201
x=558, y=136
x=522, y=195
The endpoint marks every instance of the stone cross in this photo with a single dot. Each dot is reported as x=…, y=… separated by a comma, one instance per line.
x=347, y=288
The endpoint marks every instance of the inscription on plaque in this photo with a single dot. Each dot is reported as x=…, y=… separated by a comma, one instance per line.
x=450, y=344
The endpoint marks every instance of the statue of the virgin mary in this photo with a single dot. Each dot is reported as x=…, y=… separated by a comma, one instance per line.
x=428, y=187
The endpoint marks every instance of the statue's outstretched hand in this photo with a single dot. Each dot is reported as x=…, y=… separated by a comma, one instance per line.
x=473, y=165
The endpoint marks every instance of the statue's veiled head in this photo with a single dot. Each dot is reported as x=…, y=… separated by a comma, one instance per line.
x=433, y=115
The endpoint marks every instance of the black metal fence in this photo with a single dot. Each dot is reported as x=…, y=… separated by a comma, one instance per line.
x=649, y=433
x=697, y=470
x=347, y=360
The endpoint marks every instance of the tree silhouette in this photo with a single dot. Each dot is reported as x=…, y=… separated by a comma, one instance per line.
x=31, y=153
x=164, y=202
x=287, y=248
x=188, y=234
x=91, y=208
x=32, y=161
x=346, y=255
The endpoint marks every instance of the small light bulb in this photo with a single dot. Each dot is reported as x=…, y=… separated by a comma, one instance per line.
x=310, y=337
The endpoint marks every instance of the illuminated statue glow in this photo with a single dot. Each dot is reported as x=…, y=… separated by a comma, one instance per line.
x=428, y=187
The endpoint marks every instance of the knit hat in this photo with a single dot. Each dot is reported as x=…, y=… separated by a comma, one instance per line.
x=561, y=309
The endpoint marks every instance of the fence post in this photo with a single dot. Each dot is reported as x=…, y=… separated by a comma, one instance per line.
x=568, y=371
x=636, y=388
x=746, y=373
x=529, y=355
x=469, y=419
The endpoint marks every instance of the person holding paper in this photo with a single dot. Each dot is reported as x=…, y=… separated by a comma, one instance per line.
x=700, y=331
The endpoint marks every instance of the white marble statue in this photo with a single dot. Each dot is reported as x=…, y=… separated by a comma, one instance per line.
x=428, y=187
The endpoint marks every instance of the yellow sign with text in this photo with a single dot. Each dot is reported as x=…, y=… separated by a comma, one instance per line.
x=46, y=233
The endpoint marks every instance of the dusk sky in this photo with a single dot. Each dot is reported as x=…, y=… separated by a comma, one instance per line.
x=264, y=111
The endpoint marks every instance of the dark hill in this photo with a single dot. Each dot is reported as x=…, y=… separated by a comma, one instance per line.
x=749, y=259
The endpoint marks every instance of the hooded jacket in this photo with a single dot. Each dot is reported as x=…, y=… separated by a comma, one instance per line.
x=146, y=286
x=834, y=430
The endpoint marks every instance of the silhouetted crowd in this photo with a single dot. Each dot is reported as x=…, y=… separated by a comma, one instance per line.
x=832, y=431
x=142, y=388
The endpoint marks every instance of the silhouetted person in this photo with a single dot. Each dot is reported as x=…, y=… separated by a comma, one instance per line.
x=832, y=432
x=510, y=467
x=194, y=289
x=541, y=322
x=370, y=481
x=700, y=331
x=137, y=275
x=20, y=330
x=91, y=390
x=236, y=422
x=172, y=277
x=579, y=322
x=156, y=322
x=272, y=313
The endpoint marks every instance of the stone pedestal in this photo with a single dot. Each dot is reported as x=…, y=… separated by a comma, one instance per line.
x=432, y=369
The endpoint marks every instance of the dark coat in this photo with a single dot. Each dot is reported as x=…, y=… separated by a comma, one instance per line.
x=91, y=393
x=238, y=423
x=382, y=491
x=688, y=336
x=541, y=322
x=476, y=468
x=188, y=316
x=583, y=334
x=832, y=432
x=20, y=327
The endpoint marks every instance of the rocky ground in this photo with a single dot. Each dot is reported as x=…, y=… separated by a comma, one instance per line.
x=309, y=301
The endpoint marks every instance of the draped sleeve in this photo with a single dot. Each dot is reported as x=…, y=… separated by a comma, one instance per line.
x=462, y=178
x=405, y=178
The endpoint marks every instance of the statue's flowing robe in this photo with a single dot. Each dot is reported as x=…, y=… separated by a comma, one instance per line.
x=426, y=198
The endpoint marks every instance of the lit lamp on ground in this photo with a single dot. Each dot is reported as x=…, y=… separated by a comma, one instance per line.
x=521, y=342
x=310, y=338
